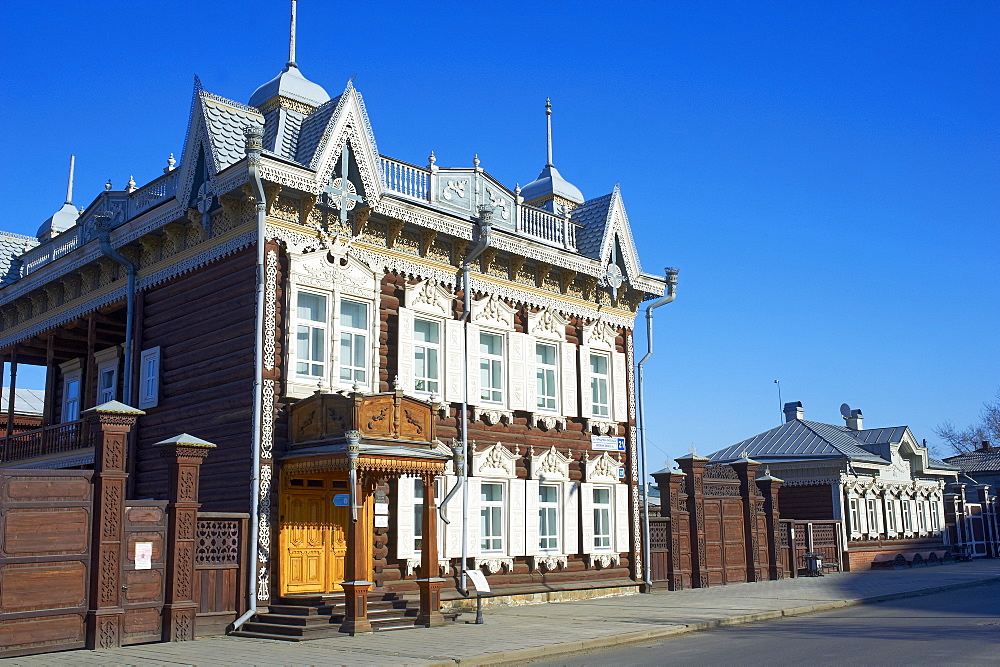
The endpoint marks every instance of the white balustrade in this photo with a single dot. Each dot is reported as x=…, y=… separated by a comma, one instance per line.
x=547, y=227
x=404, y=179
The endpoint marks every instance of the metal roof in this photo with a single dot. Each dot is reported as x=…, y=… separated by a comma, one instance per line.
x=13, y=246
x=291, y=84
x=976, y=461
x=594, y=216
x=799, y=438
x=879, y=436
x=226, y=122
x=26, y=401
x=551, y=182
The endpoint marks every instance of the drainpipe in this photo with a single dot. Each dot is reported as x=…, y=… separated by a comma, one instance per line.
x=458, y=456
x=647, y=572
x=485, y=228
x=105, y=241
x=253, y=149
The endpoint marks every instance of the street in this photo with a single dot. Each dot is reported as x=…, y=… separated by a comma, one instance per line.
x=953, y=627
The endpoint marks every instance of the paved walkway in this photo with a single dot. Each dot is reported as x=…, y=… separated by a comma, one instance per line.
x=518, y=634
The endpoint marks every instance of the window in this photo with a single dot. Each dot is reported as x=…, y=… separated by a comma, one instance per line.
x=855, y=515
x=906, y=516
x=71, y=397
x=427, y=356
x=491, y=368
x=353, y=342
x=890, y=516
x=602, y=518
x=600, y=407
x=106, y=381
x=872, y=516
x=491, y=517
x=548, y=518
x=921, y=516
x=149, y=378
x=310, y=336
x=935, y=519
x=546, y=374
x=418, y=510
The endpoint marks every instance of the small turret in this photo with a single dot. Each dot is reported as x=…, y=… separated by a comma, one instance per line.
x=550, y=190
x=65, y=217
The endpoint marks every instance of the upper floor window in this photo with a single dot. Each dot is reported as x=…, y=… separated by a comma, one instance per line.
x=599, y=381
x=310, y=337
x=907, y=519
x=353, y=342
x=890, y=515
x=491, y=517
x=546, y=373
x=491, y=360
x=149, y=378
x=548, y=518
x=71, y=398
x=427, y=356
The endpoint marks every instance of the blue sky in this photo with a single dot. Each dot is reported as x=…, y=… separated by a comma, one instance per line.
x=825, y=175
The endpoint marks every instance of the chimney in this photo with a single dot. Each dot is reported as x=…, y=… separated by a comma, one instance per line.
x=984, y=446
x=793, y=411
x=854, y=421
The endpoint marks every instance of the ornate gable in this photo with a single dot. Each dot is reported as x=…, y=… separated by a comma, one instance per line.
x=598, y=334
x=603, y=468
x=493, y=311
x=550, y=465
x=429, y=296
x=547, y=324
x=495, y=461
x=618, y=235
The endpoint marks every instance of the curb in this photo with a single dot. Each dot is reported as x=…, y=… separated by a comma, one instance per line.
x=568, y=648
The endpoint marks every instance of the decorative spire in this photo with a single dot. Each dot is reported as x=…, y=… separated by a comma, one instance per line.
x=291, y=40
x=69, y=184
x=548, y=123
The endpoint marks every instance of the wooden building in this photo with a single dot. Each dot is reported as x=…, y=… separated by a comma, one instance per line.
x=884, y=485
x=350, y=330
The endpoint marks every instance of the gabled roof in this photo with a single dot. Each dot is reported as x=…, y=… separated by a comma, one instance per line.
x=12, y=246
x=799, y=438
x=878, y=436
x=973, y=462
x=605, y=224
x=593, y=215
x=26, y=401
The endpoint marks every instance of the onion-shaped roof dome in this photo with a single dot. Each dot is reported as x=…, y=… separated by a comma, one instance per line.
x=551, y=183
x=59, y=222
x=291, y=84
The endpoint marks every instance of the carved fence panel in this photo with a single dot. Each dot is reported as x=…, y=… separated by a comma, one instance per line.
x=45, y=524
x=220, y=562
x=659, y=548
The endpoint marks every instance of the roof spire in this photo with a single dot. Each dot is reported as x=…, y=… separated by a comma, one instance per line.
x=291, y=40
x=69, y=185
x=548, y=122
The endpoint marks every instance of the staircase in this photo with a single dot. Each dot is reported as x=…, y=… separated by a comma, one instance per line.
x=300, y=618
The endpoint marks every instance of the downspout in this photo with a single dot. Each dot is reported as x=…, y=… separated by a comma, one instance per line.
x=253, y=149
x=485, y=228
x=647, y=572
x=104, y=239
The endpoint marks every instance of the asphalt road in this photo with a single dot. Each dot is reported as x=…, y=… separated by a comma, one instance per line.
x=960, y=627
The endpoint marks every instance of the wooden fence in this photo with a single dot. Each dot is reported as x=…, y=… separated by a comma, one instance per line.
x=220, y=576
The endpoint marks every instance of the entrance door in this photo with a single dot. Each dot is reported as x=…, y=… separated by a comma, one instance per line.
x=313, y=533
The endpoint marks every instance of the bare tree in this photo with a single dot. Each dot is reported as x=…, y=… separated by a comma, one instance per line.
x=968, y=439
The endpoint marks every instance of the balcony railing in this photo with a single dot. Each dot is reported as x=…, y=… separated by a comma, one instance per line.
x=55, y=439
x=547, y=227
x=405, y=179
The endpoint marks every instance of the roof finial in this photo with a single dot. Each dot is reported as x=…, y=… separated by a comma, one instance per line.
x=548, y=122
x=69, y=184
x=291, y=40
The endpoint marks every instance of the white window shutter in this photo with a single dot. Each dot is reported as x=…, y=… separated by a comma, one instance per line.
x=586, y=396
x=567, y=381
x=621, y=517
x=472, y=338
x=516, y=512
x=517, y=360
x=404, y=517
x=570, y=517
x=531, y=516
x=530, y=375
x=619, y=387
x=587, y=512
x=475, y=520
x=454, y=351
x=404, y=351
x=453, y=510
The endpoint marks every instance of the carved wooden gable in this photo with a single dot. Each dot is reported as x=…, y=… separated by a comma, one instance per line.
x=493, y=311
x=550, y=465
x=428, y=296
x=599, y=335
x=603, y=468
x=495, y=461
x=546, y=324
x=389, y=416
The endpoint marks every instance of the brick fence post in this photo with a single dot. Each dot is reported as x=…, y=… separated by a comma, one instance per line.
x=185, y=454
x=109, y=425
x=670, y=483
x=694, y=467
x=746, y=469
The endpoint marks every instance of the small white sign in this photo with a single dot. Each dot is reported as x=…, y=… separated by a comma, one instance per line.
x=381, y=521
x=607, y=443
x=144, y=555
x=381, y=508
x=479, y=580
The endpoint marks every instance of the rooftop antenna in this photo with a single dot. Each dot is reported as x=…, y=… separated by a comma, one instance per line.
x=548, y=122
x=69, y=185
x=781, y=406
x=291, y=40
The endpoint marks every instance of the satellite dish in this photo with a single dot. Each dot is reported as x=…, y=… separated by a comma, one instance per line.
x=845, y=410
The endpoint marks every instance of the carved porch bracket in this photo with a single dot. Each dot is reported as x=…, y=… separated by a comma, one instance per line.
x=514, y=265
x=361, y=216
x=307, y=202
x=271, y=192
x=427, y=237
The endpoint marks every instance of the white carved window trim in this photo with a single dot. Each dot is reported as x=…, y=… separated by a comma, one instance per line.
x=107, y=375
x=501, y=524
x=550, y=376
x=871, y=509
x=906, y=511
x=497, y=361
x=149, y=378
x=552, y=511
x=354, y=333
x=496, y=464
x=595, y=407
x=609, y=508
x=72, y=372
x=316, y=327
x=853, y=504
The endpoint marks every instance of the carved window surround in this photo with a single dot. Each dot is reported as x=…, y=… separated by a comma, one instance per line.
x=546, y=421
x=548, y=563
x=494, y=564
x=602, y=560
x=600, y=426
x=413, y=564
x=492, y=416
x=549, y=465
x=603, y=468
x=495, y=461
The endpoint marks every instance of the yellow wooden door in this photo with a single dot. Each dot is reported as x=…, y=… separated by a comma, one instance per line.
x=304, y=536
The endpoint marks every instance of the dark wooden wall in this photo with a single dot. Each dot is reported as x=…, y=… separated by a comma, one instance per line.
x=806, y=502
x=204, y=323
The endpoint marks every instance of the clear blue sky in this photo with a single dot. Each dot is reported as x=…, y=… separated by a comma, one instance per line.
x=825, y=175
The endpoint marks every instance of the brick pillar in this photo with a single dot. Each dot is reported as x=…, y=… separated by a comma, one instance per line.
x=429, y=583
x=694, y=467
x=109, y=426
x=356, y=587
x=670, y=484
x=769, y=487
x=184, y=454
x=746, y=470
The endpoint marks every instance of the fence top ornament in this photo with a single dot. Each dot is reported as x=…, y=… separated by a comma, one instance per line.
x=186, y=440
x=114, y=407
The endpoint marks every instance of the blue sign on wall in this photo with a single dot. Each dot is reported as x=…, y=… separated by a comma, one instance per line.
x=342, y=500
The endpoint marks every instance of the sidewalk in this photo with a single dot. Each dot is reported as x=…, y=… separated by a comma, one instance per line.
x=516, y=634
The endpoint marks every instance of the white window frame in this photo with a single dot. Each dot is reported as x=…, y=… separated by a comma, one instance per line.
x=855, y=514
x=935, y=516
x=609, y=507
x=550, y=542
x=107, y=366
x=551, y=382
x=354, y=332
x=598, y=378
x=72, y=371
x=321, y=326
x=149, y=378
x=890, y=515
x=907, y=516
x=438, y=349
x=501, y=360
x=501, y=523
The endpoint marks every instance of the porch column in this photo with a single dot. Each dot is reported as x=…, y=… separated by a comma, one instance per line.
x=185, y=454
x=109, y=426
x=429, y=583
x=769, y=486
x=11, y=398
x=356, y=587
x=694, y=467
x=746, y=469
